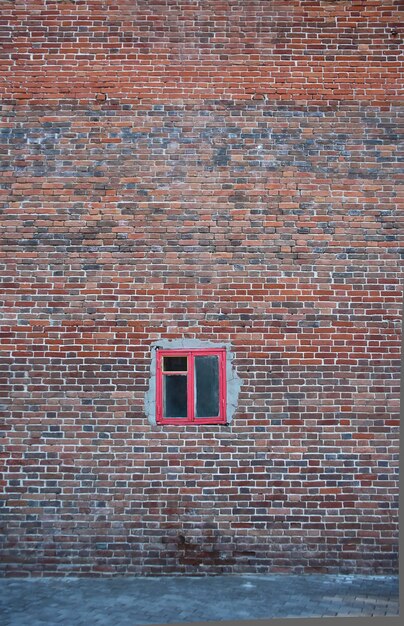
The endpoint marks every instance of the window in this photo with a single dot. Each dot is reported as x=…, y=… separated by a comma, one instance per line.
x=191, y=386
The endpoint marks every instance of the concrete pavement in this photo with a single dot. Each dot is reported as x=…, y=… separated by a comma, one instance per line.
x=137, y=601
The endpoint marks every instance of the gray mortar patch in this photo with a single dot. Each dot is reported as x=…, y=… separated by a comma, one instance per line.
x=233, y=382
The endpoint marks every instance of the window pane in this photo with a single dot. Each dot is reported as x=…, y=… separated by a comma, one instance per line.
x=175, y=364
x=206, y=386
x=175, y=396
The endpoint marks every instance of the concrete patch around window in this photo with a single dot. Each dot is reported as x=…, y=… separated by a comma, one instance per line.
x=233, y=381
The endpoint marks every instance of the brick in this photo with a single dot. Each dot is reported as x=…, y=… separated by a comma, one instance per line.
x=221, y=171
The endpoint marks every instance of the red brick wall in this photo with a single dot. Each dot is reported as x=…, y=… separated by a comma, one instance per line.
x=221, y=170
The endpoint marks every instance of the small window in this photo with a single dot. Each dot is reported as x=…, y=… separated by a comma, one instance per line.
x=191, y=386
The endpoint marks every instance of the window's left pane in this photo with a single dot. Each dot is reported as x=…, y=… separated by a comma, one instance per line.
x=175, y=396
x=175, y=364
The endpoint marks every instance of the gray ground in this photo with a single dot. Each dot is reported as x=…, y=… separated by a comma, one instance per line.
x=136, y=601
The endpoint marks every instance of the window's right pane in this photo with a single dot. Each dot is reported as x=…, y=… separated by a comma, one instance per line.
x=206, y=386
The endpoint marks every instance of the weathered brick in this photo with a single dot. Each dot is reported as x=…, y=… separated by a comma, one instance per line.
x=222, y=171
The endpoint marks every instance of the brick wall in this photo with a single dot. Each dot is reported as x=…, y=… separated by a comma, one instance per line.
x=221, y=170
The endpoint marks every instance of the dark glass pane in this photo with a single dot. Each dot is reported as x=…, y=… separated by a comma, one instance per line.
x=175, y=396
x=206, y=386
x=175, y=364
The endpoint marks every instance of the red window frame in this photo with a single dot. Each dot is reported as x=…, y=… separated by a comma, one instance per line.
x=191, y=354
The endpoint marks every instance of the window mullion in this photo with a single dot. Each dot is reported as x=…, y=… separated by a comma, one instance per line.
x=191, y=387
